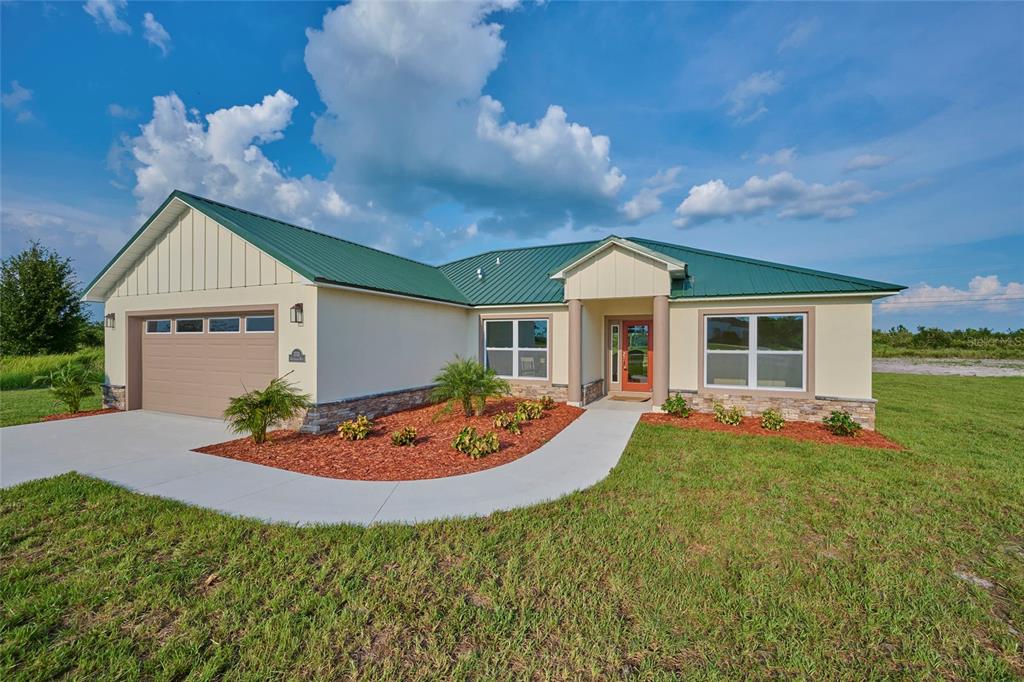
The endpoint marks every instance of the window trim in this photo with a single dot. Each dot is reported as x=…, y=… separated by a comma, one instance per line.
x=211, y=330
x=188, y=319
x=515, y=349
x=806, y=391
x=169, y=321
x=260, y=331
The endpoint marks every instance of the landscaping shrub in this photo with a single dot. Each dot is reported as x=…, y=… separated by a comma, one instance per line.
x=254, y=412
x=840, y=423
x=72, y=382
x=22, y=371
x=404, y=436
x=510, y=421
x=469, y=384
x=468, y=442
x=356, y=429
x=529, y=409
x=547, y=402
x=676, y=406
x=772, y=420
x=732, y=416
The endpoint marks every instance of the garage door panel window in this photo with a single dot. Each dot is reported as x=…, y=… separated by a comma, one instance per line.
x=158, y=326
x=517, y=349
x=765, y=352
x=225, y=325
x=259, y=324
x=188, y=325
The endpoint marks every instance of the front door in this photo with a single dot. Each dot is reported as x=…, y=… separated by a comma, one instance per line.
x=636, y=355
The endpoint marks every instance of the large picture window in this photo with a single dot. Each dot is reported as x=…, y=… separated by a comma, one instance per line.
x=756, y=351
x=517, y=349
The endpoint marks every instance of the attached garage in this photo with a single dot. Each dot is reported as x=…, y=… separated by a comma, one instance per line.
x=194, y=362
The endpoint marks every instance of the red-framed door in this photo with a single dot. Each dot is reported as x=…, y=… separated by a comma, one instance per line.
x=637, y=355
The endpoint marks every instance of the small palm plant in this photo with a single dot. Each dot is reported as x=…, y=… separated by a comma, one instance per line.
x=467, y=383
x=71, y=383
x=255, y=411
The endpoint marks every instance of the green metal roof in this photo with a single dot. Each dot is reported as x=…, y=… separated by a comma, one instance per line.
x=506, y=277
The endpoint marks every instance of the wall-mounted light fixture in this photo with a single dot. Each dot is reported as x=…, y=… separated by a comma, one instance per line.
x=108, y=320
x=296, y=313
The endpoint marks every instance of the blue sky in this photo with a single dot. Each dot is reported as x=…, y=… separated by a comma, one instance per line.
x=885, y=141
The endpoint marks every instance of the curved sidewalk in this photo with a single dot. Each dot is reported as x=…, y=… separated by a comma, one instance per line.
x=150, y=453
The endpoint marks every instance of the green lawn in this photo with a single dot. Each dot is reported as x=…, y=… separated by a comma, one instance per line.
x=701, y=555
x=28, y=405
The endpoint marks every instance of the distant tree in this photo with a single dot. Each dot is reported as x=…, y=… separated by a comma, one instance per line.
x=40, y=310
x=91, y=334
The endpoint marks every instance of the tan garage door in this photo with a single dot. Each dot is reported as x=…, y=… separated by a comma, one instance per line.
x=192, y=364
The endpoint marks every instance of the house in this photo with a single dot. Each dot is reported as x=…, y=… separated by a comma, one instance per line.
x=207, y=300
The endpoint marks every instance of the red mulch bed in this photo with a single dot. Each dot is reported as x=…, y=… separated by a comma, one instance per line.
x=376, y=459
x=793, y=430
x=73, y=415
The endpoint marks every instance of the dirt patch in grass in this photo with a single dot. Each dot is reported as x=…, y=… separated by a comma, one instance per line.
x=73, y=415
x=793, y=430
x=376, y=459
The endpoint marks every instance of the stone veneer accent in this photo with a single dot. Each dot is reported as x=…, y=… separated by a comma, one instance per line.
x=113, y=396
x=326, y=416
x=531, y=390
x=593, y=391
x=796, y=409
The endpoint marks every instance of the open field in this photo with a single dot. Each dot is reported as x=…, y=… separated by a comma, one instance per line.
x=701, y=555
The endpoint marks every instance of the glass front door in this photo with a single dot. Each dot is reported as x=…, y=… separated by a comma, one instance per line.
x=636, y=355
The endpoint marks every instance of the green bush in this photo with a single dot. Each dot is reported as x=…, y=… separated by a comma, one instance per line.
x=934, y=342
x=404, y=436
x=21, y=371
x=469, y=384
x=732, y=416
x=772, y=420
x=547, y=402
x=510, y=421
x=468, y=442
x=254, y=412
x=841, y=423
x=71, y=383
x=356, y=429
x=676, y=406
x=529, y=409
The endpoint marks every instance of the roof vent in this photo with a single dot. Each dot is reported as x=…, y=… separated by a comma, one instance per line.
x=497, y=261
x=479, y=273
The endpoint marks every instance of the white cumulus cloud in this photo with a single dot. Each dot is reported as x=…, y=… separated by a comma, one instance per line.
x=868, y=162
x=987, y=292
x=107, y=13
x=747, y=99
x=647, y=201
x=782, y=157
x=409, y=125
x=786, y=195
x=220, y=156
x=155, y=34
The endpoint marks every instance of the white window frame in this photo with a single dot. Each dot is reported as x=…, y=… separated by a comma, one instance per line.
x=189, y=319
x=257, y=317
x=170, y=325
x=515, y=349
x=752, y=352
x=209, y=324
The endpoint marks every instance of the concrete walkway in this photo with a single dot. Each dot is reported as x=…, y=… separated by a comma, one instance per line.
x=150, y=452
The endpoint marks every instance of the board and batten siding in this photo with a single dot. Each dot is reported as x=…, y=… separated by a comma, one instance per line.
x=198, y=254
x=617, y=273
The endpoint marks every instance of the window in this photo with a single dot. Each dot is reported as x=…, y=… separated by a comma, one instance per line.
x=158, y=326
x=225, y=325
x=517, y=349
x=615, y=353
x=755, y=351
x=189, y=325
x=261, y=323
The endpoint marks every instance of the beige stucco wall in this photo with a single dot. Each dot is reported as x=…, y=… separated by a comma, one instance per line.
x=842, y=331
x=370, y=343
x=617, y=273
x=198, y=254
x=284, y=296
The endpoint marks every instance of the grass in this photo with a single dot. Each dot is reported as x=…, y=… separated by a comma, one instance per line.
x=885, y=351
x=20, y=371
x=701, y=555
x=29, y=405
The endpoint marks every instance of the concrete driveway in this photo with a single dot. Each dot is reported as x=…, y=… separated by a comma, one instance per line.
x=150, y=452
